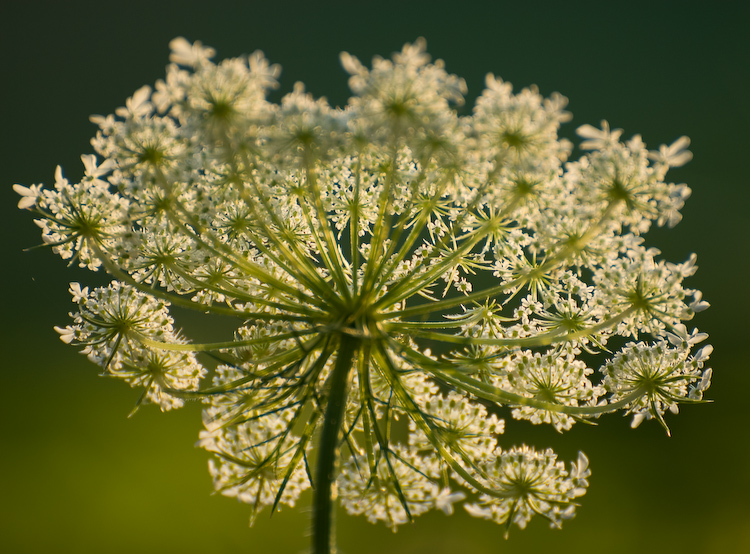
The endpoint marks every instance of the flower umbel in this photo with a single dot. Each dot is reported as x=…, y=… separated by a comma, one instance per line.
x=401, y=277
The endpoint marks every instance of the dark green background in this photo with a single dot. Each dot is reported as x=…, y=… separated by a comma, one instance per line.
x=77, y=476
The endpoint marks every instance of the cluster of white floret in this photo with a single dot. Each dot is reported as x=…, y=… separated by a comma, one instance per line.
x=463, y=261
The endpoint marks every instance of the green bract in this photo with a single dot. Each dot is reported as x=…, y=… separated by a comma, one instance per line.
x=397, y=273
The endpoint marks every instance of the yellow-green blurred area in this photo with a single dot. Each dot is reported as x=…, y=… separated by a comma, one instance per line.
x=78, y=476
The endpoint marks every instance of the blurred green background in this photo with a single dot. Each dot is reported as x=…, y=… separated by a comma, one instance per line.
x=78, y=476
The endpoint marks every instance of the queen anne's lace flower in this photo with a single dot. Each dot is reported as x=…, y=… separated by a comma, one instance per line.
x=394, y=493
x=530, y=482
x=457, y=422
x=253, y=464
x=407, y=95
x=650, y=291
x=666, y=376
x=164, y=375
x=401, y=277
x=79, y=219
x=521, y=127
x=554, y=377
x=113, y=321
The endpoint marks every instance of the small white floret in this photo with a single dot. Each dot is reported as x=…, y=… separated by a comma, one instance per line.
x=445, y=499
x=28, y=195
x=67, y=334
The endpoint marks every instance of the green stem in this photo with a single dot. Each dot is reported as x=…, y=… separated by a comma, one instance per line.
x=323, y=540
x=227, y=345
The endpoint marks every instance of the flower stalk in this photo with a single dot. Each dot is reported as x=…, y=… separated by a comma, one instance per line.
x=324, y=495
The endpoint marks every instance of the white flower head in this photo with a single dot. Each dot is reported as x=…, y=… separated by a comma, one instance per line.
x=656, y=377
x=401, y=276
x=527, y=483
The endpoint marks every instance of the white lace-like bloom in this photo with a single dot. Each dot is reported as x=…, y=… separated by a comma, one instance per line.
x=113, y=323
x=622, y=171
x=554, y=377
x=401, y=277
x=528, y=483
x=143, y=144
x=28, y=195
x=162, y=374
x=521, y=127
x=394, y=494
x=651, y=291
x=674, y=155
x=407, y=93
x=305, y=123
x=459, y=424
x=667, y=376
x=192, y=55
x=254, y=463
x=598, y=139
x=160, y=257
x=79, y=218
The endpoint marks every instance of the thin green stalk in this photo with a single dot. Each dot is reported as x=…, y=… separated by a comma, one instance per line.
x=335, y=264
x=402, y=223
x=251, y=268
x=413, y=282
x=323, y=539
x=195, y=229
x=397, y=252
x=416, y=281
x=391, y=298
x=382, y=225
x=354, y=225
x=226, y=345
x=486, y=391
x=113, y=269
x=448, y=454
x=542, y=339
x=288, y=247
